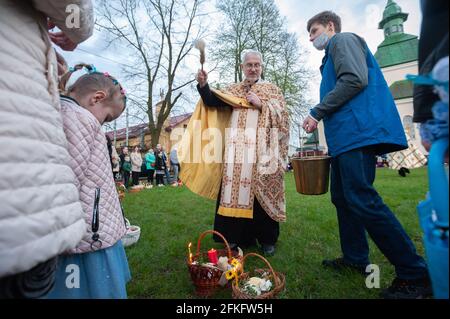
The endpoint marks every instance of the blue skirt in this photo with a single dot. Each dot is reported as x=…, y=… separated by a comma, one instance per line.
x=101, y=274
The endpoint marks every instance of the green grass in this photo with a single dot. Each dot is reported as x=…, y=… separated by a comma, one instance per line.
x=170, y=218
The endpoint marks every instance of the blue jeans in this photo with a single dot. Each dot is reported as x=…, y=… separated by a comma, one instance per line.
x=360, y=208
x=166, y=171
x=175, y=172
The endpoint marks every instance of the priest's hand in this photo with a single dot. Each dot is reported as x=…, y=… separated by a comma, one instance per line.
x=254, y=100
x=202, y=78
x=310, y=124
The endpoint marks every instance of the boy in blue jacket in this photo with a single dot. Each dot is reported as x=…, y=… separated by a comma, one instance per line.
x=361, y=121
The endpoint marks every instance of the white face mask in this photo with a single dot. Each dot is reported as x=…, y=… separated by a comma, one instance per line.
x=320, y=43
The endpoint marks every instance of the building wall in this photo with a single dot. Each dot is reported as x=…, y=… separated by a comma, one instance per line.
x=164, y=139
x=406, y=109
x=398, y=72
x=322, y=140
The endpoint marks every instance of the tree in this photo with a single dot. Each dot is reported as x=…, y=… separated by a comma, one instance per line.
x=257, y=24
x=159, y=34
x=242, y=23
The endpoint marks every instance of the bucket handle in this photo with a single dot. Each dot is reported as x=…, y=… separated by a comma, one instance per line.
x=438, y=181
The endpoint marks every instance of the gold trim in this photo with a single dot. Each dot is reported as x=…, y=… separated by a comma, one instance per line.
x=235, y=212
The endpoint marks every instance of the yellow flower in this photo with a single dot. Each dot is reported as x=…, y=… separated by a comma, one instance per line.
x=230, y=274
x=235, y=263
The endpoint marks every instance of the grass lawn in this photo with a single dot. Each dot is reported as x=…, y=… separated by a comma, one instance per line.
x=170, y=218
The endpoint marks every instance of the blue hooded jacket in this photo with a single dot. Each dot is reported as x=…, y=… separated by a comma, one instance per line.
x=369, y=119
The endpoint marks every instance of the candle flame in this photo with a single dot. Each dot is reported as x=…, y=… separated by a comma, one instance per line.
x=190, y=253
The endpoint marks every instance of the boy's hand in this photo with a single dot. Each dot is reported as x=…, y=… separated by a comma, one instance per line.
x=310, y=124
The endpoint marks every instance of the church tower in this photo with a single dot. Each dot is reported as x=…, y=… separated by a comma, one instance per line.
x=398, y=55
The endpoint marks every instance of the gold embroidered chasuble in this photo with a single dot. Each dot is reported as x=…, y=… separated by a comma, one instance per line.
x=249, y=156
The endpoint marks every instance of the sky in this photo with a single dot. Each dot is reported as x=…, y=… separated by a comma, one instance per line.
x=358, y=16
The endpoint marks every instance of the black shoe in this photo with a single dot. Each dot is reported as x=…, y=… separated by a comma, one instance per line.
x=268, y=250
x=402, y=172
x=340, y=264
x=408, y=289
x=407, y=171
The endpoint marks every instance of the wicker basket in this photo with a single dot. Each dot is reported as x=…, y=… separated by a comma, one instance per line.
x=206, y=279
x=278, y=280
x=135, y=190
x=132, y=236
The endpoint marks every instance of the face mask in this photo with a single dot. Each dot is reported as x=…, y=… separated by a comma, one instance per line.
x=320, y=43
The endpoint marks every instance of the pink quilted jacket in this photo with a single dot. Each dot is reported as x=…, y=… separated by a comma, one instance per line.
x=91, y=164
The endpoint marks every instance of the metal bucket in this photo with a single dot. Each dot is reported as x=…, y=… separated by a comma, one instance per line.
x=312, y=174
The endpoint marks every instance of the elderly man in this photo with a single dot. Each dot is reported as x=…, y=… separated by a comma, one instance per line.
x=250, y=193
x=361, y=121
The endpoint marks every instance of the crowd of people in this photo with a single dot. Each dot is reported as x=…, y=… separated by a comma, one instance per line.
x=153, y=165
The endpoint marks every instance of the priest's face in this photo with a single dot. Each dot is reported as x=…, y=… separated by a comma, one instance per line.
x=252, y=67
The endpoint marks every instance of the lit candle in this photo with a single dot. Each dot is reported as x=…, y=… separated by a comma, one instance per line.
x=212, y=255
x=190, y=254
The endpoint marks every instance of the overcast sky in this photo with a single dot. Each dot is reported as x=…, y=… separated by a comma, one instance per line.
x=359, y=16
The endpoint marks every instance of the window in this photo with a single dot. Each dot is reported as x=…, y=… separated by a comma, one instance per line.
x=395, y=28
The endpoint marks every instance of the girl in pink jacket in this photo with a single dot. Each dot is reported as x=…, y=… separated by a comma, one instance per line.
x=98, y=266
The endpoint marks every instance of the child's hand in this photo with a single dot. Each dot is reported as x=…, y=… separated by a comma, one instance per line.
x=61, y=40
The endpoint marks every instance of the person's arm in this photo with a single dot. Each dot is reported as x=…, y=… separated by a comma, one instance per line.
x=122, y=160
x=349, y=57
x=61, y=11
x=209, y=98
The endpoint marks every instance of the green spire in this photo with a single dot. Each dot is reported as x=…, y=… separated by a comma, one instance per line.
x=393, y=19
x=397, y=47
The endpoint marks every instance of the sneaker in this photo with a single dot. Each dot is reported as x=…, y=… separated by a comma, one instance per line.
x=408, y=289
x=340, y=264
x=160, y=185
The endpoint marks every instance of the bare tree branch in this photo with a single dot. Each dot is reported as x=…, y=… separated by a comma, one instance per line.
x=160, y=43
